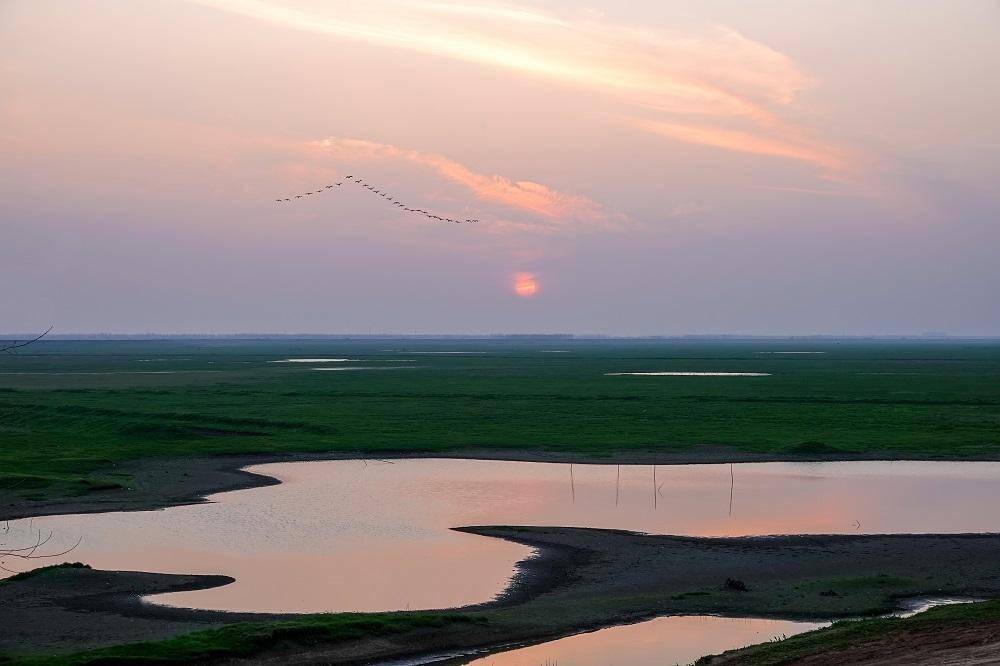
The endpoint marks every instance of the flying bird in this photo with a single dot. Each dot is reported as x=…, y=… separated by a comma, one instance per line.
x=384, y=195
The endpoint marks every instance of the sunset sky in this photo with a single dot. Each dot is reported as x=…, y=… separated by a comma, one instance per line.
x=645, y=167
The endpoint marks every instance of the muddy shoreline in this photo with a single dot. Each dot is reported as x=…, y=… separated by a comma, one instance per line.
x=158, y=483
x=581, y=579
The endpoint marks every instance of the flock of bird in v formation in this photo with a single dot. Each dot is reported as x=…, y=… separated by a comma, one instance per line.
x=394, y=201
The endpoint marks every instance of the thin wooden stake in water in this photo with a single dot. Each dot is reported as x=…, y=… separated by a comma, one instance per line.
x=572, y=483
x=654, y=486
x=732, y=482
x=618, y=484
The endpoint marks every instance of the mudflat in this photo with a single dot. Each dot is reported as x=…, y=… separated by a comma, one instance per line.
x=581, y=579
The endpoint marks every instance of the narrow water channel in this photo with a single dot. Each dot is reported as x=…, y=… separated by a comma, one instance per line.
x=661, y=642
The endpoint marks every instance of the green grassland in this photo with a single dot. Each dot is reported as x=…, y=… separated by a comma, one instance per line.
x=249, y=638
x=114, y=401
x=854, y=633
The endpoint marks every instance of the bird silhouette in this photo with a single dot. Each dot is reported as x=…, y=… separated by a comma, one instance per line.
x=385, y=195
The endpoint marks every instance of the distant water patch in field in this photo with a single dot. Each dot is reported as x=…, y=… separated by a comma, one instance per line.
x=316, y=360
x=368, y=367
x=445, y=352
x=888, y=373
x=115, y=372
x=688, y=374
x=791, y=352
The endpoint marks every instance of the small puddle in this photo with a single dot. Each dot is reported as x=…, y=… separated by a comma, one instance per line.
x=791, y=352
x=354, y=368
x=914, y=606
x=316, y=360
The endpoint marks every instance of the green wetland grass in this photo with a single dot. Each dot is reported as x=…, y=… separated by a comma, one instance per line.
x=852, y=633
x=250, y=638
x=71, y=410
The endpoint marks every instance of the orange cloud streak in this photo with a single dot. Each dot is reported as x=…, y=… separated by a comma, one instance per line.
x=558, y=207
x=827, y=157
x=713, y=73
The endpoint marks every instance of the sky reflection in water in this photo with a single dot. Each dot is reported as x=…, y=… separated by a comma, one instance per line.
x=350, y=535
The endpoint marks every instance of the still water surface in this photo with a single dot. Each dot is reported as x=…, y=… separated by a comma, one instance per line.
x=660, y=642
x=666, y=640
x=356, y=536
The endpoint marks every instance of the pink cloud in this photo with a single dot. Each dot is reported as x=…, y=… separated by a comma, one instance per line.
x=784, y=145
x=559, y=209
x=713, y=73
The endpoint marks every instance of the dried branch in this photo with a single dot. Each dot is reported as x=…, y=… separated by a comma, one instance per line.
x=31, y=552
x=16, y=344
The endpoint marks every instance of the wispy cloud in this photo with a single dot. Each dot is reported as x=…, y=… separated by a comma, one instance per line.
x=816, y=192
x=827, y=157
x=559, y=209
x=715, y=75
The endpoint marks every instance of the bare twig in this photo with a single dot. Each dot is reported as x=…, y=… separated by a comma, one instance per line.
x=10, y=348
x=31, y=552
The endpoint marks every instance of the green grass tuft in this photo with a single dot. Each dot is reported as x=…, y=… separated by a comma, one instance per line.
x=247, y=639
x=848, y=633
x=40, y=571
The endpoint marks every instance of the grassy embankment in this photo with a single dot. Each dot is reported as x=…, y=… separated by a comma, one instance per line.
x=63, y=433
x=870, y=633
x=246, y=639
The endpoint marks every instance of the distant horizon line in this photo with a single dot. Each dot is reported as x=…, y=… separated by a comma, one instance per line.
x=497, y=336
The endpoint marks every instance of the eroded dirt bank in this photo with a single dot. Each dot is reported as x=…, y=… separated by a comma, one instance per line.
x=961, y=645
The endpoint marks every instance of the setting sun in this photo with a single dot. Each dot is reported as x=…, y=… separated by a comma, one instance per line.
x=525, y=285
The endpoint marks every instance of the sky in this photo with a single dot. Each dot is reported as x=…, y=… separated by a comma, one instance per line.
x=649, y=167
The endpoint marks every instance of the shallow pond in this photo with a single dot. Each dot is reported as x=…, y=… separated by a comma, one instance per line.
x=660, y=642
x=664, y=640
x=369, y=536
